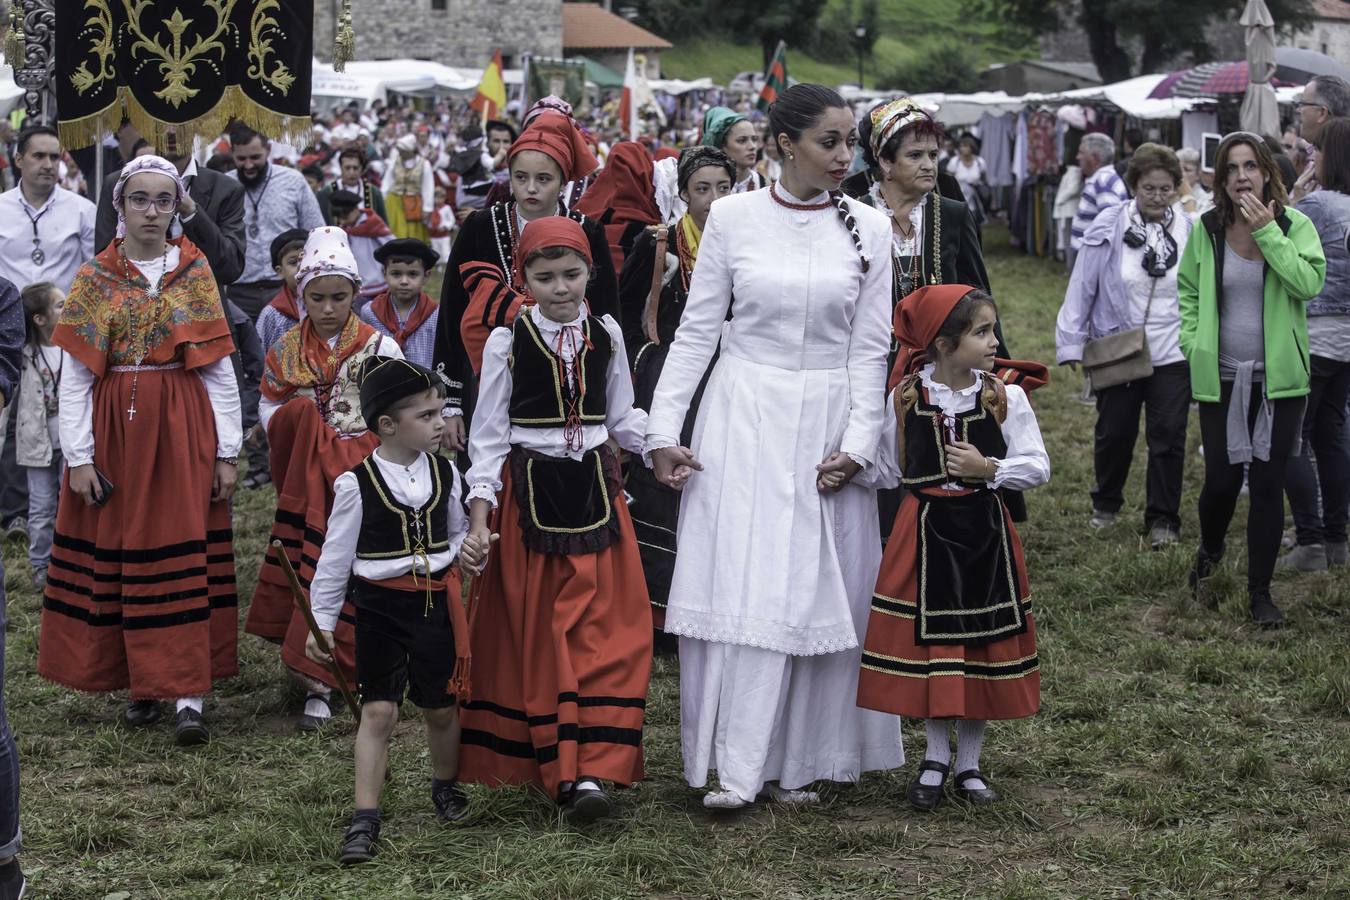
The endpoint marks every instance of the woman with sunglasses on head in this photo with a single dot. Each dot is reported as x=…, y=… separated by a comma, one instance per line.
x=1126, y=278
x=1243, y=285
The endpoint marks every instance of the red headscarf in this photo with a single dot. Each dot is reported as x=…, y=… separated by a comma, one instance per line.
x=551, y=231
x=558, y=138
x=624, y=185
x=918, y=319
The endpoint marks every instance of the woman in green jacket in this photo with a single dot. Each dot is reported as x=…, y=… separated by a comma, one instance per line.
x=1242, y=285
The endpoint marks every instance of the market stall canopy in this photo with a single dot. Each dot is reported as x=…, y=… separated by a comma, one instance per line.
x=1293, y=64
x=1131, y=97
x=675, y=87
x=601, y=75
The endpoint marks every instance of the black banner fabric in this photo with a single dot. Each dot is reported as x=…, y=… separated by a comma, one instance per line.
x=191, y=64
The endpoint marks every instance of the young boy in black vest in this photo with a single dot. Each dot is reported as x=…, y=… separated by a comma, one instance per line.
x=396, y=527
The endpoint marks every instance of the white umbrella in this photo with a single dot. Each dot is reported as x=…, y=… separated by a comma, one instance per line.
x=1260, y=111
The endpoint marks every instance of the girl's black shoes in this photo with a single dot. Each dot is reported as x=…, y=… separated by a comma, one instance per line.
x=924, y=797
x=981, y=796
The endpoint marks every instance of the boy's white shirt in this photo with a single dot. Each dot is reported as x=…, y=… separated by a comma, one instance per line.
x=411, y=486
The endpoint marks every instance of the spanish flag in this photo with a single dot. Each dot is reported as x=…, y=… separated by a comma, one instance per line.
x=491, y=97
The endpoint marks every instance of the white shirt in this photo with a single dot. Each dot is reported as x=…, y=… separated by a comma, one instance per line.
x=904, y=246
x=76, y=397
x=65, y=231
x=1163, y=328
x=493, y=434
x=411, y=486
x=1025, y=465
x=283, y=201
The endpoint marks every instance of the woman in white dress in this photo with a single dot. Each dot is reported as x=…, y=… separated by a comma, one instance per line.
x=778, y=550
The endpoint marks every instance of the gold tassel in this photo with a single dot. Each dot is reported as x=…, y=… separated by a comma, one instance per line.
x=344, y=41
x=16, y=43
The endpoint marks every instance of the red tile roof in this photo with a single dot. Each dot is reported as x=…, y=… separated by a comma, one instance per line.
x=587, y=26
x=1331, y=9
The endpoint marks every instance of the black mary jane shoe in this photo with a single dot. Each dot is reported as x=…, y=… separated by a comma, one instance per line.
x=451, y=803
x=924, y=797
x=585, y=805
x=358, y=844
x=307, y=722
x=976, y=796
x=191, y=728
x=140, y=713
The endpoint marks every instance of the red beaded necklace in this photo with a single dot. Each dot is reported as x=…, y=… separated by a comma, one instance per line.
x=804, y=207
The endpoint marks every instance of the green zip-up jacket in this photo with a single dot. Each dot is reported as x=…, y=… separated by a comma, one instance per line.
x=1295, y=271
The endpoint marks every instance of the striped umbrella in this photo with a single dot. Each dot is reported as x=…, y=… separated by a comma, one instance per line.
x=1206, y=80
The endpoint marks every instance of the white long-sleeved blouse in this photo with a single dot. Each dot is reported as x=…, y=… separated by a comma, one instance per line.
x=493, y=434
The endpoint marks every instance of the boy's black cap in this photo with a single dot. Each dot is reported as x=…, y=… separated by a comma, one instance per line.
x=407, y=248
x=385, y=381
x=286, y=239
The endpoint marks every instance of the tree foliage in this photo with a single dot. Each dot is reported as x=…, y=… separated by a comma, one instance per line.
x=941, y=67
x=1154, y=30
x=765, y=22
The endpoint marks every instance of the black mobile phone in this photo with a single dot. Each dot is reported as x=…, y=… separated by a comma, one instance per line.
x=105, y=488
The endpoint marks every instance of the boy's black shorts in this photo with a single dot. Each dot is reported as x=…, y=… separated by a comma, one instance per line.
x=400, y=644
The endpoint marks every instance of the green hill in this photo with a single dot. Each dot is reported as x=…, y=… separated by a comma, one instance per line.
x=909, y=29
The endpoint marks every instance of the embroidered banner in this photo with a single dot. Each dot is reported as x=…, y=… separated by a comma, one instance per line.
x=189, y=64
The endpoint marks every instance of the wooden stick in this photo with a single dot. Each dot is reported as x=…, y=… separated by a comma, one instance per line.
x=298, y=595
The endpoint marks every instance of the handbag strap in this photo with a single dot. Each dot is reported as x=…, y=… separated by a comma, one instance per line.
x=1148, y=307
x=654, y=295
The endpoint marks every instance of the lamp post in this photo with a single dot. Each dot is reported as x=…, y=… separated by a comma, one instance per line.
x=860, y=34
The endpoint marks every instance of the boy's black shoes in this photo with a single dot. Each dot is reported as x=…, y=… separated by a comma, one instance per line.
x=142, y=712
x=191, y=728
x=358, y=844
x=452, y=804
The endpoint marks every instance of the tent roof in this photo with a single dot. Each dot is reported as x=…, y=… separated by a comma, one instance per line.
x=588, y=26
x=600, y=74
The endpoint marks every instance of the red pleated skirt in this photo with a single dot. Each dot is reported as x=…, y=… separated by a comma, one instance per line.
x=307, y=457
x=999, y=680
x=562, y=651
x=140, y=593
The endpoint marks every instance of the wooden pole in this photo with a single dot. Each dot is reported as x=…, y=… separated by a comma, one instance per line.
x=298, y=595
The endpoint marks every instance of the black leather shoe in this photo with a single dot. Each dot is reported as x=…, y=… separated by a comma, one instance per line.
x=1203, y=568
x=978, y=796
x=1264, y=611
x=451, y=803
x=925, y=797
x=140, y=713
x=587, y=804
x=191, y=729
x=358, y=844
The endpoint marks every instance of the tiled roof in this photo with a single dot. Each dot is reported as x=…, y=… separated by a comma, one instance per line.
x=1331, y=9
x=588, y=26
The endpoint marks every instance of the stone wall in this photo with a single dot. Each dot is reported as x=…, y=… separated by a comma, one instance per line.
x=453, y=32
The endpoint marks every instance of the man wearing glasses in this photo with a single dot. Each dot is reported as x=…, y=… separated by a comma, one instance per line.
x=1325, y=97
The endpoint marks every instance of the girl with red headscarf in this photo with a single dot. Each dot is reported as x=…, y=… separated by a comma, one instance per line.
x=951, y=635
x=560, y=615
x=550, y=153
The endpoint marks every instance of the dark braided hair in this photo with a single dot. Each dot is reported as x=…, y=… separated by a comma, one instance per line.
x=798, y=109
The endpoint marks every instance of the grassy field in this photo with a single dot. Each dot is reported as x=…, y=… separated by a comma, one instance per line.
x=906, y=28
x=1179, y=752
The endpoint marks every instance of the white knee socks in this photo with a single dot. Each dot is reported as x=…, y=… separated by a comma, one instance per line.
x=939, y=749
x=969, y=742
x=188, y=703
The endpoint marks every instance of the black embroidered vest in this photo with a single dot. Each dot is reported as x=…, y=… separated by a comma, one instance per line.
x=541, y=395
x=389, y=529
x=926, y=437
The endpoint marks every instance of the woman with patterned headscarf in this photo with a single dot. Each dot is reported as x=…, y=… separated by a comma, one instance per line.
x=137, y=599
x=652, y=302
x=736, y=136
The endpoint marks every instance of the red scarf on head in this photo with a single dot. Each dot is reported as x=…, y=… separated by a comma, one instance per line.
x=551, y=231
x=383, y=309
x=557, y=137
x=918, y=319
x=370, y=226
x=284, y=302
x=625, y=185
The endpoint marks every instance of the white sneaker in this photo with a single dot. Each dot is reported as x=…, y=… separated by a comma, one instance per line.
x=778, y=794
x=723, y=800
